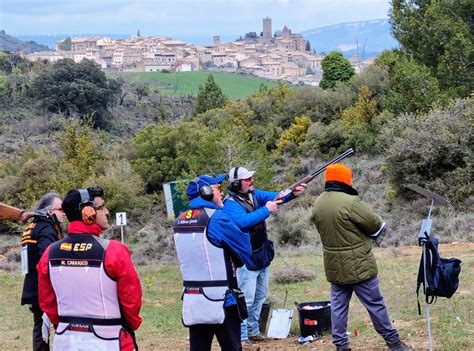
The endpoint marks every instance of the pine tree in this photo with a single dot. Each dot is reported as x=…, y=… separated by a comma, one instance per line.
x=209, y=96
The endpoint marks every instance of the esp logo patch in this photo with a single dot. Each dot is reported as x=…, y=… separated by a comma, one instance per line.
x=82, y=247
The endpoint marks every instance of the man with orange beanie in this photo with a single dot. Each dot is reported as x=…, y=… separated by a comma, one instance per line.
x=347, y=227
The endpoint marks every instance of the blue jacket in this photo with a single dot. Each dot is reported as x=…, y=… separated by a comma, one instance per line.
x=246, y=220
x=223, y=232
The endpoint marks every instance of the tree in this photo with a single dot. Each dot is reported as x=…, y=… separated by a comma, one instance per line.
x=167, y=152
x=74, y=88
x=209, y=96
x=65, y=45
x=141, y=89
x=439, y=35
x=335, y=69
x=250, y=35
x=412, y=88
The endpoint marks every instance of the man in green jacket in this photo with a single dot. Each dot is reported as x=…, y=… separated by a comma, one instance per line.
x=347, y=227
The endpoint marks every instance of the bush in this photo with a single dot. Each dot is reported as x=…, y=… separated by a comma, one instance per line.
x=288, y=275
x=324, y=139
x=154, y=242
x=433, y=151
x=293, y=226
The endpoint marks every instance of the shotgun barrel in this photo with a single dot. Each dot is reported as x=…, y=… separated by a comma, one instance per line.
x=314, y=174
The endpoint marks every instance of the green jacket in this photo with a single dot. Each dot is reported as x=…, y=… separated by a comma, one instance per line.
x=345, y=224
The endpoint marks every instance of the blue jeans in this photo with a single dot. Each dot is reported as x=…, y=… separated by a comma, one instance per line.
x=254, y=285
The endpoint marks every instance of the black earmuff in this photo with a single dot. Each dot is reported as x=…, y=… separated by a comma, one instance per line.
x=89, y=214
x=205, y=191
x=236, y=184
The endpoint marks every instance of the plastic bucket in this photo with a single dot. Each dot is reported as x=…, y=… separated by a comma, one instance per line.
x=315, y=319
x=264, y=314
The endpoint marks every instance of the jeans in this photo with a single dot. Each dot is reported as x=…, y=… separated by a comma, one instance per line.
x=254, y=285
x=368, y=292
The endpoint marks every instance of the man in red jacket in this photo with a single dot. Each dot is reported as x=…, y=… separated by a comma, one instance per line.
x=88, y=286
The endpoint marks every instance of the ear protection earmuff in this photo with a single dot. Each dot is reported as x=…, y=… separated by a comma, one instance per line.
x=87, y=208
x=236, y=184
x=205, y=191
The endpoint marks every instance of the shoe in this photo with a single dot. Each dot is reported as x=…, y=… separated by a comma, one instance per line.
x=343, y=348
x=399, y=346
x=258, y=337
x=248, y=346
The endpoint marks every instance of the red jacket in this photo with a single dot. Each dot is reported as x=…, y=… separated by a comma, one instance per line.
x=118, y=265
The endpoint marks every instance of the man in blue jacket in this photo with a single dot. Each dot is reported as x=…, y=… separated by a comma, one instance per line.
x=249, y=208
x=210, y=247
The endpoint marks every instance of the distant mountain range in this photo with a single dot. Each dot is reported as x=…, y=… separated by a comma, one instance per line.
x=9, y=43
x=368, y=38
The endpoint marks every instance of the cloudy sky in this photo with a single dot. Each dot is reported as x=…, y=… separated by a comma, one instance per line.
x=179, y=17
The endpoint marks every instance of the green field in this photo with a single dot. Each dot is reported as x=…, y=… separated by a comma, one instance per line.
x=451, y=319
x=187, y=83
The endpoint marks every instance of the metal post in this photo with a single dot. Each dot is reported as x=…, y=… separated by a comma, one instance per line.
x=423, y=236
x=427, y=305
x=121, y=233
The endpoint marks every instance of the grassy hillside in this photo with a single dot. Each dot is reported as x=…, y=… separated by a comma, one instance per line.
x=187, y=83
x=451, y=320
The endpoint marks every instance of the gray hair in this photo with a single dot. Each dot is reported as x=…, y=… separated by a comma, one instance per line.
x=46, y=203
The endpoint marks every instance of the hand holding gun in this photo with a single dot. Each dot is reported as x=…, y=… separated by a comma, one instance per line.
x=298, y=187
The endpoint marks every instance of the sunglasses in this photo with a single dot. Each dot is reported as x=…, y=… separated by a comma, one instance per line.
x=101, y=207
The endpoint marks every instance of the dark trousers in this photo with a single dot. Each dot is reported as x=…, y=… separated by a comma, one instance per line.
x=227, y=333
x=369, y=294
x=38, y=342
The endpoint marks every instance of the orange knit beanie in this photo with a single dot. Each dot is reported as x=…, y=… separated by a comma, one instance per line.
x=337, y=172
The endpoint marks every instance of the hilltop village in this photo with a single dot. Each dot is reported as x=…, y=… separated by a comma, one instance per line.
x=280, y=55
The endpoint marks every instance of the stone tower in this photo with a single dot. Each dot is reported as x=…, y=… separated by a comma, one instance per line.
x=217, y=40
x=267, y=28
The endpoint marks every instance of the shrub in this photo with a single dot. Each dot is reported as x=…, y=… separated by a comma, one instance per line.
x=433, y=151
x=154, y=242
x=288, y=275
x=293, y=226
x=324, y=139
x=296, y=134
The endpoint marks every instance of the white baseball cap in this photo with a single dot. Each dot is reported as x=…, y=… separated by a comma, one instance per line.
x=242, y=173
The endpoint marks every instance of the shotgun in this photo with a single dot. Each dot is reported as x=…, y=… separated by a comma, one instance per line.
x=313, y=175
x=10, y=213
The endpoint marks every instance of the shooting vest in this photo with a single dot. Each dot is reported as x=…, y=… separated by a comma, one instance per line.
x=203, y=269
x=263, y=250
x=88, y=305
x=258, y=232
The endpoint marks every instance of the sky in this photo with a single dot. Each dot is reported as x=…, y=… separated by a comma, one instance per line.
x=180, y=18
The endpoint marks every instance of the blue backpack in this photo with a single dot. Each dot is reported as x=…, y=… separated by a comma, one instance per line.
x=442, y=274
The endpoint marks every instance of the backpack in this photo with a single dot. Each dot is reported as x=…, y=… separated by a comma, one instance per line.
x=442, y=274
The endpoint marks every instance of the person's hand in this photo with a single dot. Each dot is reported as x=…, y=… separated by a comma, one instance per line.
x=299, y=189
x=26, y=215
x=273, y=206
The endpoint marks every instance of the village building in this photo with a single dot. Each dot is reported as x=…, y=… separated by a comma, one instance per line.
x=281, y=55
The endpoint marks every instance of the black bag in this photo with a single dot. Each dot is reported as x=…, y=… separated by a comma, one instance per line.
x=442, y=274
x=262, y=257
